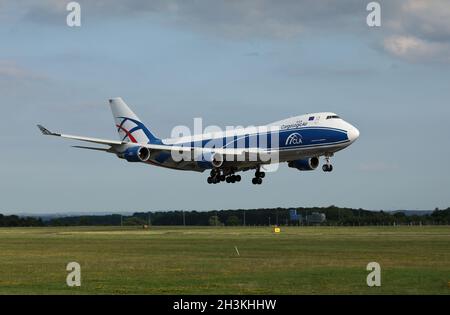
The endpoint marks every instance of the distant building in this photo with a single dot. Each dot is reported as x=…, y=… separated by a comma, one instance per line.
x=316, y=218
x=294, y=216
x=313, y=218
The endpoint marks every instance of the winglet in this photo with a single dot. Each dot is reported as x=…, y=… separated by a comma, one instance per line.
x=46, y=132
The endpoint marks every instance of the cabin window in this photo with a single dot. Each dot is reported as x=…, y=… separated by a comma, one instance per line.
x=333, y=117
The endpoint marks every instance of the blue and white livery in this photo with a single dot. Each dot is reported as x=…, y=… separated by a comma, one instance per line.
x=300, y=141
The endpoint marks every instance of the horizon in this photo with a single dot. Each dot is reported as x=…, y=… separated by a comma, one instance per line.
x=130, y=213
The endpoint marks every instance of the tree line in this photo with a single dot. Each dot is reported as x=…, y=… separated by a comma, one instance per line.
x=335, y=216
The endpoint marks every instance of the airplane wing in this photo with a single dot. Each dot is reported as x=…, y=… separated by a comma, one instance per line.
x=155, y=147
x=47, y=132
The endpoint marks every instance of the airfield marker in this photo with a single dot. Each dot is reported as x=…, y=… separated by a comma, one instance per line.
x=237, y=251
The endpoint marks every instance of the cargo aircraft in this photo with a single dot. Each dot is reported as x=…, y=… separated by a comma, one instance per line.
x=299, y=141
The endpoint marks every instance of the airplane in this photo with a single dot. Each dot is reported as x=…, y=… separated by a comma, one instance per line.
x=299, y=141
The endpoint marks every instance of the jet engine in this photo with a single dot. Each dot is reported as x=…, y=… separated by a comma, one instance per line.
x=305, y=164
x=210, y=160
x=136, y=154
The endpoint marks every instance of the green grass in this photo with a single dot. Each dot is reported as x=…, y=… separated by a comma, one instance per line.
x=201, y=260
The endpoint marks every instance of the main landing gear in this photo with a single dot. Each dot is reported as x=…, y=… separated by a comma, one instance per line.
x=257, y=180
x=227, y=175
x=233, y=178
x=218, y=175
x=327, y=167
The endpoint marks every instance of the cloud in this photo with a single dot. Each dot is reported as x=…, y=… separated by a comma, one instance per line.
x=418, y=30
x=10, y=70
x=415, y=49
x=423, y=18
x=238, y=19
x=413, y=30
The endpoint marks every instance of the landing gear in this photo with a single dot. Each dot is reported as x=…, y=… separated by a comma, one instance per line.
x=214, y=172
x=233, y=178
x=218, y=175
x=327, y=167
x=213, y=180
x=215, y=176
x=257, y=180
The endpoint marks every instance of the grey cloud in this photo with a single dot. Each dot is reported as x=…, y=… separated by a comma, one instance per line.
x=415, y=49
x=11, y=70
x=413, y=30
x=239, y=19
x=425, y=19
x=417, y=30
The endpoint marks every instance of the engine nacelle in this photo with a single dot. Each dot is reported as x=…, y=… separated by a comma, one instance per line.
x=305, y=164
x=211, y=160
x=136, y=154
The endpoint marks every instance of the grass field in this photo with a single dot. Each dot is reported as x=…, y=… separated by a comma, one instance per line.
x=203, y=260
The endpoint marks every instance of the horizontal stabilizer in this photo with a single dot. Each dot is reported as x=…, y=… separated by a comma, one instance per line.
x=92, y=148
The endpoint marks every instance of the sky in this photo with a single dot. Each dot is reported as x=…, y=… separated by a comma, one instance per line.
x=247, y=62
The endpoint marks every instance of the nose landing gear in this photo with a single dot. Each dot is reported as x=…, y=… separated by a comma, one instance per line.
x=327, y=167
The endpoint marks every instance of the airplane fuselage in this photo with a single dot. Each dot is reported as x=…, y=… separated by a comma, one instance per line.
x=310, y=135
x=299, y=140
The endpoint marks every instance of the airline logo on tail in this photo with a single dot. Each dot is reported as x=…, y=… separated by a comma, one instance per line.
x=132, y=129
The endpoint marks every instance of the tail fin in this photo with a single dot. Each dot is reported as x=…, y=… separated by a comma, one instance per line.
x=129, y=126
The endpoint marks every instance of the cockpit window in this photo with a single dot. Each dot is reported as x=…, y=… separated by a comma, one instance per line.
x=333, y=117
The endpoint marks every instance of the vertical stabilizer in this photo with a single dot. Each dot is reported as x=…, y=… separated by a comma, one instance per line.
x=129, y=126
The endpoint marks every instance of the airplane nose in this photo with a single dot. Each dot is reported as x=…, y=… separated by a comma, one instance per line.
x=353, y=134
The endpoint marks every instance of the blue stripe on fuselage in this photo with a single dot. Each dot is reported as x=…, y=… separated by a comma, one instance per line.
x=309, y=137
